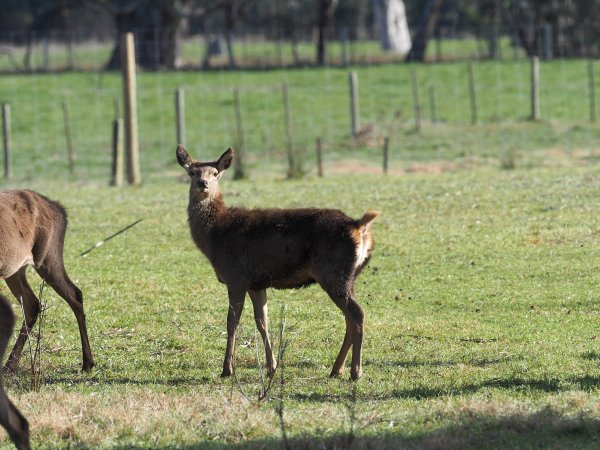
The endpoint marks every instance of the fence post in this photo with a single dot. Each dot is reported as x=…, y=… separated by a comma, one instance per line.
x=117, y=153
x=432, y=103
x=386, y=142
x=238, y=167
x=535, y=88
x=592, y=88
x=415, y=96
x=319, y=158
x=68, y=137
x=294, y=169
x=472, y=93
x=354, y=117
x=180, y=115
x=6, y=140
x=130, y=108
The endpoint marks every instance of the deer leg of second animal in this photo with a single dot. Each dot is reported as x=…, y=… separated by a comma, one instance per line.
x=55, y=275
x=261, y=317
x=10, y=417
x=236, y=306
x=20, y=288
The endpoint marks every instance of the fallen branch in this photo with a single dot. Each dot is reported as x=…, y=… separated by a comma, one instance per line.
x=100, y=243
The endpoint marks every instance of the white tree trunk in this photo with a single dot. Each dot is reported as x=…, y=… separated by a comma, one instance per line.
x=390, y=16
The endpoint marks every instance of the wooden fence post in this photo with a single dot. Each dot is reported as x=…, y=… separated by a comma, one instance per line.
x=130, y=108
x=68, y=137
x=354, y=114
x=592, y=88
x=6, y=140
x=432, y=103
x=535, y=88
x=386, y=142
x=319, y=158
x=415, y=96
x=180, y=115
x=294, y=169
x=472, y=93
x=117, y=153
x=238, y=167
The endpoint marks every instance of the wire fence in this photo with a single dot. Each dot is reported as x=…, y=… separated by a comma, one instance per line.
x=435, y=116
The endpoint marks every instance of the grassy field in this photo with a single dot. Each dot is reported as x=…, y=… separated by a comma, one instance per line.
x=482, y=321
x=481, y=299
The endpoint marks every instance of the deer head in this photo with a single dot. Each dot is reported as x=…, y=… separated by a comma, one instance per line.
x=204, y=175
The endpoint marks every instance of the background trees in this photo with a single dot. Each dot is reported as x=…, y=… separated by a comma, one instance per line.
x=547, y=28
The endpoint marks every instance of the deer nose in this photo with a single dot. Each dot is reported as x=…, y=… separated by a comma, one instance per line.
x=202, y=184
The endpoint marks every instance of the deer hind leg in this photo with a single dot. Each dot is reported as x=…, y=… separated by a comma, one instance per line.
x=20, y=288
x=52, y=270
x=343, y=297
x=261, y=317
x=338, y=365
x=10, y=417
x=234, y=313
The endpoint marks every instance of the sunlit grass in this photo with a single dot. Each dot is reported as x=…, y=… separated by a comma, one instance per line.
x=481, y=319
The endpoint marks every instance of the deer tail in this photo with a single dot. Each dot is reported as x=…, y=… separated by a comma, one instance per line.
x=367, y=218
x=363, y=239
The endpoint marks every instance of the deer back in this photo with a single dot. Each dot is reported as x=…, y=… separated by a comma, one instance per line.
x=31, y=226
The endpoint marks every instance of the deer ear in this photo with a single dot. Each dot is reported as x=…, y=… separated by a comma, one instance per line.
x=225, y=160
x=183, y=157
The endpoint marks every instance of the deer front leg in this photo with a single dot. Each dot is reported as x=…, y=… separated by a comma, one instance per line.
x=261, y=317
x=236, y=306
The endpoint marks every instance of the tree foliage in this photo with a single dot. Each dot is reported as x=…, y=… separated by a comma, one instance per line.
x=542, y=27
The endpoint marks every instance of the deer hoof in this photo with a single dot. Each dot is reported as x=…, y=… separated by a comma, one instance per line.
x=336, y=373
x=355, y=374
x=88, y=366
x=226, y=373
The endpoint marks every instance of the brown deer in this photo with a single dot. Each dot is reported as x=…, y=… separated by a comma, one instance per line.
x=254, y=249
x=32, y=231
x=11, y=418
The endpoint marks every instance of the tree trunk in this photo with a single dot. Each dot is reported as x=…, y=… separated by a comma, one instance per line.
x=326, y=11
x=157, y=34
x=390, y=16
x=429, y=17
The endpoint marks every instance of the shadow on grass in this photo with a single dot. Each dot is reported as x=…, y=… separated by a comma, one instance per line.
x=543, y=429
x=592, y=355
x=516, y=384
x=421, y=393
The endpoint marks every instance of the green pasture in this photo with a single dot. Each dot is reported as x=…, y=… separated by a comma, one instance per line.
x=481, y=308
x=482, y=313
x=319, y=107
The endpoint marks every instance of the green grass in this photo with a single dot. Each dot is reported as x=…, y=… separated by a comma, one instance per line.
x=481, y=299
x=482, y=320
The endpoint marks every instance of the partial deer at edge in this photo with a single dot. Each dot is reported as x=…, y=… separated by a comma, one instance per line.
x=32, y=232
x=254, y=249
x=11, y=418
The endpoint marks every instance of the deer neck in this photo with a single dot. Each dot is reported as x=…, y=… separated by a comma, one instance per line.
x=203, y=215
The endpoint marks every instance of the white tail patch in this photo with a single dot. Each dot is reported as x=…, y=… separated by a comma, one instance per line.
x=364, y=241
